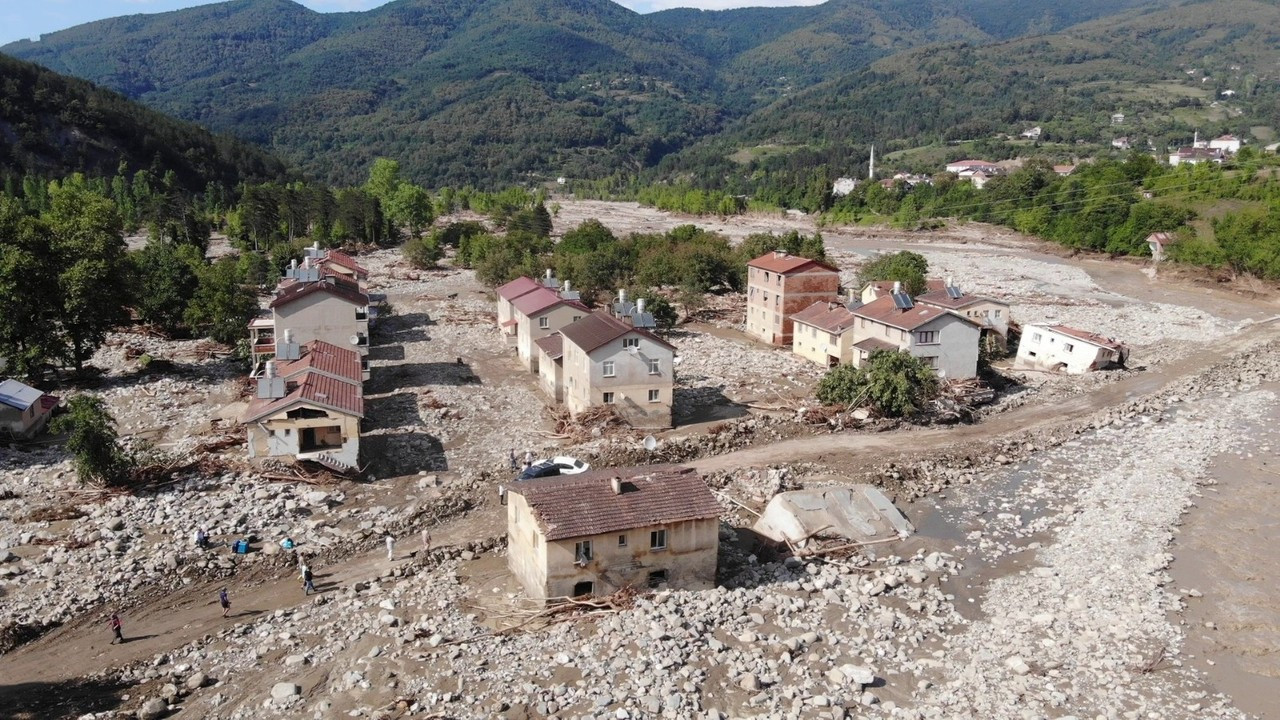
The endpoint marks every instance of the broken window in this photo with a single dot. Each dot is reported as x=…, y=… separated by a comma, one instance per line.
x=657, y=578
x=586, y=587
x=658, y=540
x=582, y=552
x=608, y=398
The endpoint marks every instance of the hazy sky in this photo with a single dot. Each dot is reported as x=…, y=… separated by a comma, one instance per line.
x=29, y=18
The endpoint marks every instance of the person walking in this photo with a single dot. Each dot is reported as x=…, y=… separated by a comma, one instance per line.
x=308, y=581
x=117, y=629
x=202, y=539
x=225, y=600
x=514, y=465
x=391, y=547
x=528, y=459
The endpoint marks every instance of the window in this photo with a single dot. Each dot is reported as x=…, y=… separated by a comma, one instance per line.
x=607, y=366
x=886, y=331
x=777, y=301
x=766, y=276
x=814, y=330
x=622, y=541
x=1035, y=337
x=576, y=318
x=833, y=339
x=608, y=398
x=766, y=297
x=997, y=313
x=586, y=587
x=864, y=322
x=582, y=551
x=1068, y=347
x=657, y=578
x=927, y=337
x=930, y=360
x=630, y=342
x=658, y=540
x=655, y=366
x=544, y=323
x=654, y=395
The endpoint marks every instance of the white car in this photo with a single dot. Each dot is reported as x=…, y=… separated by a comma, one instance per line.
x=570, y=465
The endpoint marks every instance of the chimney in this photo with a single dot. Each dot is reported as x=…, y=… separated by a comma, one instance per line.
x=640, y=306
x=616, y=484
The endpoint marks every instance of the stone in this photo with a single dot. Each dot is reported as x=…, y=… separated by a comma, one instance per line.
x=115, y=524
x=749, y=682
x=153, y=708
x=295, y=660
x=1017, y=665
x=285, y=690
x=197, y=681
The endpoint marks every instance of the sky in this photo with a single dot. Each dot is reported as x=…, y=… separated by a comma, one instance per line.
x=29, y=18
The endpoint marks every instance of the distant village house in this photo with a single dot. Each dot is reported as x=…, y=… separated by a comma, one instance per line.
x=600, y=531
x=24, y=410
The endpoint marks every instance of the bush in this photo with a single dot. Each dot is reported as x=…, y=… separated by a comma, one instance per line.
x=92, y=441
x=905, y=267
x=422, y=252
x=896, y=384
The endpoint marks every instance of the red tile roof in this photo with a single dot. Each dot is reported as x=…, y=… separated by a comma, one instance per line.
x=313, y=389
x=340, y=258
x=1091, y=338
x=833, y=317
x=572, y=506
x=520, y=286
x=600, y=328
x=1163, y=238
x=552, y=345
x=942, y=299
x=540, y=300
x=882, y=310
x=785, y=264
x=324, y=358
x=328, y=285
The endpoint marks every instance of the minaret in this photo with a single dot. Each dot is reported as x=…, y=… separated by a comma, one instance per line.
x=1195, y=139
x=871, y=169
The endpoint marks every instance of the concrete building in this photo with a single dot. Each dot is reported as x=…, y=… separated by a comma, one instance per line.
x=24, y=410
x=972, y=166
x=1194, y=156
x=506, y=295
x=336, y=262
x=946, y=342
x=603, y=530
x=551, y=366
x=1228, y=144
x=538, y=314
x=314, y=415
x=607, y=361
x=779, y=286
x=1058, y=348
x=877, y=289
x=991, y=315
x=1158, y=242
x=331, y=308
x=824, y=333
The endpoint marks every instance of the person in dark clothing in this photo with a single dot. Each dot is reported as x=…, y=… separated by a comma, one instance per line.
x=225, y=600
x=308, y=581
x=117, y=629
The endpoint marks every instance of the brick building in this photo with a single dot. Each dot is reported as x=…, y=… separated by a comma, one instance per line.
x=780, y=285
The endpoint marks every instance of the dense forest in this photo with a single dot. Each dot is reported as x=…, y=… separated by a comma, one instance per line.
x=496, y=92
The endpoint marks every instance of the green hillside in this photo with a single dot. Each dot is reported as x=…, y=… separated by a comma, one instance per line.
x=496, y=91
x=53, y=125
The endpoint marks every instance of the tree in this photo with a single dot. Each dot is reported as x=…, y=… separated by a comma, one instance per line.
x=222, y=304
x=410, y=206
x=91, y=439
x=28, y=286
x=905, y=267
x=422, y=252
x=896, y=384
x=664, y=313
x=87, y=240
x=384, y=179
x=164, y=281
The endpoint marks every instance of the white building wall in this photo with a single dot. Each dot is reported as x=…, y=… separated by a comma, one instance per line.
x=956, y=349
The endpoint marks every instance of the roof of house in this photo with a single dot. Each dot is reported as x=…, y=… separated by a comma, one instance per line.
x=539, y=300
x=338, y=257
x=552, y=345
x=930, y=285
x=883, y=310
x=520, y=286
x=313, y=389
x=325, y=358
x=942, y=298
x=18, y=395
x=329, y=285
x=1227, y=137
x=972, y=164
x=833, y=317
x=600, y=328
x=571, y=506
x=1064, y=169
x=1091, y=338
x=784, y=263
x=873, y=344
x=1163, y=238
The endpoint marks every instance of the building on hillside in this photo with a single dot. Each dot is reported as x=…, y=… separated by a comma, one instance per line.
x=600, y=531
x=1032, y=133
x=24, y=410
x=1058, y=348
x=1158, y=241
x=608, y=361
x=550, y=351
x=979, y=178
x=1194, y=156
x=877, y=289
x=946, y=342
x=1227, y=144
x=823, y=333
x=538, y=314
x=313, y=416
x=843, y=186
x=989, y=314
x=960, y=166
x=780, y=285
x=331, y=308
x=507, y=294
x=1064, y=170
x=1121, y=143
x=1117, y=118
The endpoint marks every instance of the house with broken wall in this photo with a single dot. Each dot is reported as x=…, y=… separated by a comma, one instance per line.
x=1058, y=348
x=600, y=531
x=608, y=361
x=313, y=414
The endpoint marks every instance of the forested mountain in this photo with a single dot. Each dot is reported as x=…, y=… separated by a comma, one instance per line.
x=53, y=125
x=490, y=91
